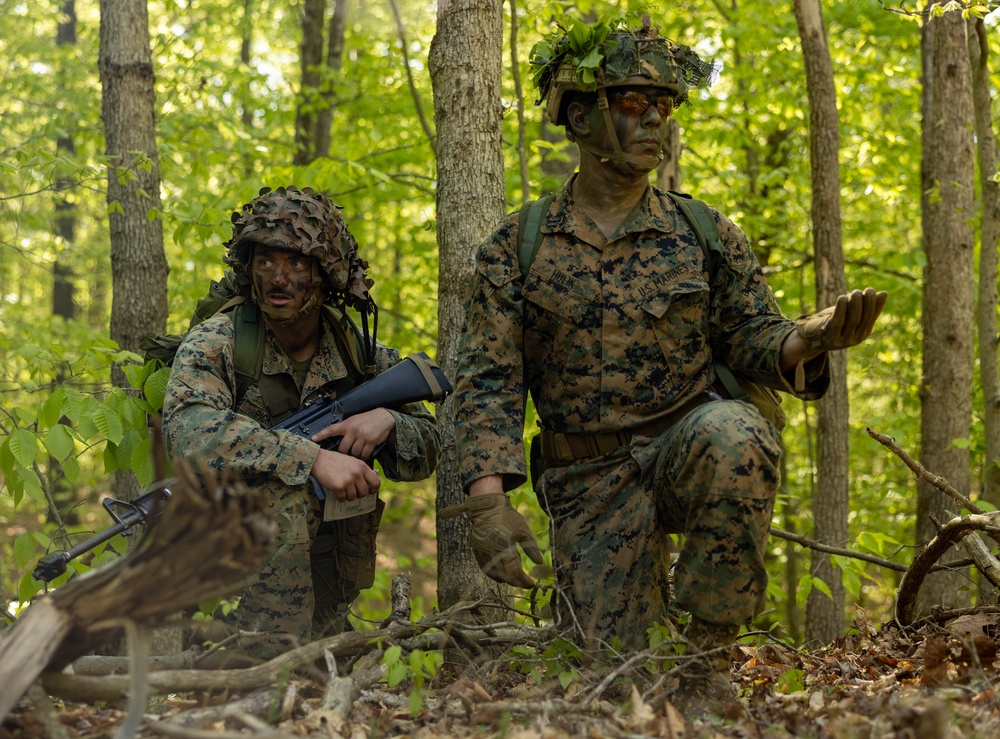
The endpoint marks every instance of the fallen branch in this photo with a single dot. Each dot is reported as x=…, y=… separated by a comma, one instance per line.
x=948, y=536
x=213, y=533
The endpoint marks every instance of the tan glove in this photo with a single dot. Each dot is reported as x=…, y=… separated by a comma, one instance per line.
x=846, y=323
x=497, y=528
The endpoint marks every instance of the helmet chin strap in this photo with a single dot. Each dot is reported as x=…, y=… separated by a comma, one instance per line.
x=651, y=162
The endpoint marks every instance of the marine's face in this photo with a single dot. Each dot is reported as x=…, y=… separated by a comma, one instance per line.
x=281, y=277
x=639, y=115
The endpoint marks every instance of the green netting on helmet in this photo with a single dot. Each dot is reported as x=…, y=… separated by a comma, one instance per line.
x=307, y=222
x=589, y=57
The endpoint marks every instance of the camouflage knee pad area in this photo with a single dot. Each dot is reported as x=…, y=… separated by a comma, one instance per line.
x=712, y=477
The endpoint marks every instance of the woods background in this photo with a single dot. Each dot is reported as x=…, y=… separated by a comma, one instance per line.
x=132, y=130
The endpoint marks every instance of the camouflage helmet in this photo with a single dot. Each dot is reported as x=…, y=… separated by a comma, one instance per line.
x=307, y=222
x=593, y=58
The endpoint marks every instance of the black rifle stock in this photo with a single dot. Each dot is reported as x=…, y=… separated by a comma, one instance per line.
x=414, y=379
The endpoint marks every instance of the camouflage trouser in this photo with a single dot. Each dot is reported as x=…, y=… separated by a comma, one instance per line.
x=304, y=587
x=712, y=477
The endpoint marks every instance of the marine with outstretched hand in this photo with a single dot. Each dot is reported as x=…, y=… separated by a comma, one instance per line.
x=623, y=330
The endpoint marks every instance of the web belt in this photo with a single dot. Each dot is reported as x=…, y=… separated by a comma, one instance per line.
x=560, y=449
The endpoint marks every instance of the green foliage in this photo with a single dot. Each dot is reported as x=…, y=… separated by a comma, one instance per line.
x=225, y=128
x=417, y=667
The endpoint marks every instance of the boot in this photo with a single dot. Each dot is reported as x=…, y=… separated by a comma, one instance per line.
x=704, y=687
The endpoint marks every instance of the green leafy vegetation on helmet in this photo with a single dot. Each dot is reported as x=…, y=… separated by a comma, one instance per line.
x=306, y=222
x=596, y=56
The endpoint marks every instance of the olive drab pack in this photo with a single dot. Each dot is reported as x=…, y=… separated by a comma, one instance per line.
x=699, y=216
x=231, y=295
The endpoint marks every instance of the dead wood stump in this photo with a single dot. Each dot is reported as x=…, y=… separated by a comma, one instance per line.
x=214, y=532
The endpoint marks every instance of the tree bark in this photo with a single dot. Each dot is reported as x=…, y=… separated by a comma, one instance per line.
x=334, y=62
x=213, y=533
x=986, y=314
x=465, y=67
x=948, y=296
x=830, y=505
x=311, y=61
x=138, y=263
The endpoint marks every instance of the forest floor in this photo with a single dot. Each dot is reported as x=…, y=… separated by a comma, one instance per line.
x=937, y=681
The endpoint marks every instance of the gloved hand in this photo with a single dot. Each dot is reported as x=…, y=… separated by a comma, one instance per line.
x=497, y=529
x=846, y=323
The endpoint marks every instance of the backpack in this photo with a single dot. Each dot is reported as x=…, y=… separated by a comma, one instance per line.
x=229, y=296
x=699, y=216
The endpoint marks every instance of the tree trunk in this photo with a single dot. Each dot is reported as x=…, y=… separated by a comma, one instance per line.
x=63, y=285
x=668, y=174
x=986, y=310
x=465, y=67
x=830, y=505
x=334, y=61
x=138, y=263
x=948, y=297
x=310, y=61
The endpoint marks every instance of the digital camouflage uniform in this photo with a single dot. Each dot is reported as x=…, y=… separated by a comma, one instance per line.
x=315, y=569
x=614, y=335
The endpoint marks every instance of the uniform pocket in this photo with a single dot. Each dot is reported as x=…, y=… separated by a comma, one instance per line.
x=678, y=315
x=354, y=550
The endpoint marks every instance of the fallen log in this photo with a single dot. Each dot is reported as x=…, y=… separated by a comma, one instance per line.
x=214, y=532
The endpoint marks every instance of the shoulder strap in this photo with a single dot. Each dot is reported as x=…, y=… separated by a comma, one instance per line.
x=352, y=345
x=529, y=227
x=699, y=216
x=248, y=346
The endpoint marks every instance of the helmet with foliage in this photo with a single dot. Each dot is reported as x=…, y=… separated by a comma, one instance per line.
x=591, y=58
x=306, y=222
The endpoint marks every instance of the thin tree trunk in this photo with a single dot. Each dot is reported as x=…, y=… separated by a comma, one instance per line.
x=334, y=62
x=986, y=311
x=830, y=506
x=465, y=66
x=948, y=297
x=311, y=61
x=138, y=263
x=246, y=114
x=522, y=131
x=63, y=286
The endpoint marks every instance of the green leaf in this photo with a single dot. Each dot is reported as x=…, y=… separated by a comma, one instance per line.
x=51, y=410
x=415, y=702
x=24, y=447
x=59, y=442
x=71, y=469
x=28, y=588
x=155, y=388
x=566, y=678
x=790, y=681
x=109, y=424
x=395, y=674
x=33, y=486
x=142, y=462
x=24, y=549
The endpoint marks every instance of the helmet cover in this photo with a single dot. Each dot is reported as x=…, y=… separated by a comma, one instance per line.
x=306, y=222
x=589, y=58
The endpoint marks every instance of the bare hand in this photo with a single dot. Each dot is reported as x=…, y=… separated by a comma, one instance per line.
x=361, y=433
x=345, y=476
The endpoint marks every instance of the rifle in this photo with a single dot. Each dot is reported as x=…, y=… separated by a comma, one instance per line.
x=416, y=378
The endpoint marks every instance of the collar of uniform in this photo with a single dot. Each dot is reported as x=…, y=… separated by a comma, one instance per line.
x=333, y=367
x=648, y=215
x=565, y=216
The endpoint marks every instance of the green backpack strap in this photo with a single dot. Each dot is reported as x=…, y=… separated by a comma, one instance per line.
x=350, y=342
x=529, y=230
x=248, y=346
x=700, y=218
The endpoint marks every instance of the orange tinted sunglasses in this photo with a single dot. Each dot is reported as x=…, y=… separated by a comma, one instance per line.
x=634, y=102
